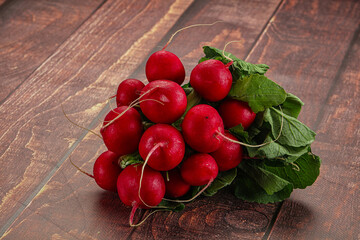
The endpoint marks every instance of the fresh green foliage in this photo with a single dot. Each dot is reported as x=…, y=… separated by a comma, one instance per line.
x=247, y=188
x=294, y=133
x=259, y=91
x=302, y=173
x=239, y=68
x=292, y=105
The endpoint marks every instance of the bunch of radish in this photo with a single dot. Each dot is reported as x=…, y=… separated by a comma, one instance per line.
x=165, y=139
x=165, y=171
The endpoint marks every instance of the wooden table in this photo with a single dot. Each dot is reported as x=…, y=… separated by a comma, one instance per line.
x=74, y=53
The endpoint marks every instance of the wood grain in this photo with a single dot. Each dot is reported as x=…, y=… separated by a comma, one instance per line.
x=82, y=73
x=302, y=47
x=255, y=217
x=31, y=31
x=330, y=209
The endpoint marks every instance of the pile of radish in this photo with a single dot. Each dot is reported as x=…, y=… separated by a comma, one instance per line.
x=231, y=126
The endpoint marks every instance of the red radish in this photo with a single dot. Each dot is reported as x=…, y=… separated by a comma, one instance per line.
x=201, y=128
x=211, y=79
x=128, y=91
x=106, y=170
x=123, y=135
x=199, y=169
x=228, y=155
x=165, y=65
x=152, y=187
x=163, y=101
x=169, y=143
x=175, y=185
x=235, y=112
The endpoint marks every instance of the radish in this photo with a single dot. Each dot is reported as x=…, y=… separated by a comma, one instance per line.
x=201, y=128
x=140, y=186
x=199, y=169
x=122, y=134
x=165, y=65
x=163, y=146
x=128, y=91
x=163, y=101
x=228, y=155
x=106, y=171
x=234, y=112
x=211, y=79
x=175, y=185
x=152, y=186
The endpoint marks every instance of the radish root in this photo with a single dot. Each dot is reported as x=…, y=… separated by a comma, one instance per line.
x=228, y=57
x=87, y=129
x=191, y=26
x=131, y=219
x=88, y=174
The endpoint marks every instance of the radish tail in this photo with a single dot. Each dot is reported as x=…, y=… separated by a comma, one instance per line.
x=89, y=130
x=194, y=25
x=88, y=174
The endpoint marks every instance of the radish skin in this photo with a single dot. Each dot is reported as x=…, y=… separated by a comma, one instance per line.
x=128, y=90
x=106, y=171
x=199, y=169
x=235, y=112
x=171, y=150
x=229, y=154
x=201, y=127
x=172, y=97
x=152, y=186
x=211, y=79
x=165, y=65
x=123, y=135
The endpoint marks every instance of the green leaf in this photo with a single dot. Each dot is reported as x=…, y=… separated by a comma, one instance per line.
x=239, y=132
x=274, y=150
x=268, y=181
x=173, y=206
x=222, y=180
x=308, y=170
x=239, y=68
x=292, y=105
x=294, y=133
x=259, y=91
x=246, y=188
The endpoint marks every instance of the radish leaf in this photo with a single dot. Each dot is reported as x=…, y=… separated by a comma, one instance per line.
x=259, y=91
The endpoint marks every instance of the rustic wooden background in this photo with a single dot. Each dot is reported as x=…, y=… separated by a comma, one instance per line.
x=74, y=53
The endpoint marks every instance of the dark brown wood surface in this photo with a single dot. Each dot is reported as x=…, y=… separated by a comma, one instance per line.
x=31, y=31
x=77, y=57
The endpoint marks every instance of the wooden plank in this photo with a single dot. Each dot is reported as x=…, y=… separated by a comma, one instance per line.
x=53, y=215
x=31, y=31
x=305, y=46
x=80, y=75
x=302, y=47
x=331, y=209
